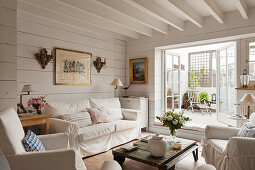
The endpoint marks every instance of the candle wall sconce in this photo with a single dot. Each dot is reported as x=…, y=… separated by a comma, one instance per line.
x=99, y=64
x=43, y=57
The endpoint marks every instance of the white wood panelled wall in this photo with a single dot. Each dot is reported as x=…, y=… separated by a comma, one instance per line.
x=35, y=33
x=234, y=26
x=8, y=51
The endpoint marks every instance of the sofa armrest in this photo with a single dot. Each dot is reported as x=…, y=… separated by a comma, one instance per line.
x=241, y=147
x=55, y=141
x=219, y=132
x=61, y=126
x=131, y=114
x=66, y=159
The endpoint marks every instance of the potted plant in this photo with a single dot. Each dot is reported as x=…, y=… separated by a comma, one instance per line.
x=203, y=97
x=185, y=100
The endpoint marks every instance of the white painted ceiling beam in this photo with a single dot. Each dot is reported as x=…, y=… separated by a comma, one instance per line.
x=155, y=10
x=214, y=10
x=137, y=14
x=187, y=11
x=110, y=14
x=70, y=17
x=242, y=7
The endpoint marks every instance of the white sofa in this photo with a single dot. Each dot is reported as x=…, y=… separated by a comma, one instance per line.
x=223, y=149
x=92, y=139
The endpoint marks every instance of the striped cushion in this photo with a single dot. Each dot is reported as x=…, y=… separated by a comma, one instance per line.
x=32, y=143
x=248, y=130
x=81, y=119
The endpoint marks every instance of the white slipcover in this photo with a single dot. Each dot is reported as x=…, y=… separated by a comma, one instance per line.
x=57, y=154
x=223, y=149
x=91, y=140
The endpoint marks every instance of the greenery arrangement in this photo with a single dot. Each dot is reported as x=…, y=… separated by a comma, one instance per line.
x=203, y=96
x=38, y=103
x=173, y=121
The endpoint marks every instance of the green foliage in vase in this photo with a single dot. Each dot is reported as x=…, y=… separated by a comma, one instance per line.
x=173, y=120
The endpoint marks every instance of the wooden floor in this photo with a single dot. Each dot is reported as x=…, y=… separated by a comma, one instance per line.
x=95, y=162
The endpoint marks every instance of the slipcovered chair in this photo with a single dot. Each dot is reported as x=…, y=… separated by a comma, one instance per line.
x=223, y=149
x=57, y=154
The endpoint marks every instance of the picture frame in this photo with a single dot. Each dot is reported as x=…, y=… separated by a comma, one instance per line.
x=72, y=67
x=138, y=71
x=21, y=109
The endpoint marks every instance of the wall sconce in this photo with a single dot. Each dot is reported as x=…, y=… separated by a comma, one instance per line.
x=99, y=64
x=43, y=57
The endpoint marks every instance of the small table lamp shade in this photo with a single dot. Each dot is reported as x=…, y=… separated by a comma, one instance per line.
x=248, y=97
x=27, y=88
x=117, y=82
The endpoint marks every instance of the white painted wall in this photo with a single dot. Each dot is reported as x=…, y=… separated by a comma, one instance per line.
x=212, y=32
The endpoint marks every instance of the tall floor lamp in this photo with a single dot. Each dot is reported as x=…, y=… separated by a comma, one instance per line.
x=248, y=98
x=117, y=83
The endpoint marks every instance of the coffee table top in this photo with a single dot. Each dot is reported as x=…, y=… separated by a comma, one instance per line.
x=142, y=154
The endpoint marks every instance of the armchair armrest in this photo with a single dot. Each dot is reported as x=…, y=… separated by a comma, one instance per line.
x=55, y=141
x=131, y=114
x=66, y=159
x=241, y=147
x=219, y=132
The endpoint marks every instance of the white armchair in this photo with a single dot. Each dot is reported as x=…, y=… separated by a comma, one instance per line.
x=223, y=149
x=57, y=154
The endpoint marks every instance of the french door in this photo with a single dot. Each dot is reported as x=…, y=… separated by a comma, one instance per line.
x=226, y=83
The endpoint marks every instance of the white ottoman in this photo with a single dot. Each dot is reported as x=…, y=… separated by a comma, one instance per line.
x=111, y=165
x=206, y=167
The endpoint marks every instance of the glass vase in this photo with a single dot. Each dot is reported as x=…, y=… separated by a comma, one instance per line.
x=38, y=112
x=172, y=134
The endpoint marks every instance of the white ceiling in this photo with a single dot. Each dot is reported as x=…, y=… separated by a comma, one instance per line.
x=132, y=18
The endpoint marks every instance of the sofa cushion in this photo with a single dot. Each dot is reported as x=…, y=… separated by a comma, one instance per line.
x=68, y=107
x=98, y=115
x=252, y=118
x=124, y=124
x=112, y=105
x=94, y=131
x=247, y=130
x=218, y=144
x=32, y=143
x=81, y=119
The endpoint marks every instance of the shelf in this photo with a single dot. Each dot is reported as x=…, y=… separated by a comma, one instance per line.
x=241, y=88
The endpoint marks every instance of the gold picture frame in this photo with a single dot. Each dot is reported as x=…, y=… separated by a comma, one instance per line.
x=72, y=67
x=138, y=71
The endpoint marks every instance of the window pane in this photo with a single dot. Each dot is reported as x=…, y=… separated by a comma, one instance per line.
x=252, y=58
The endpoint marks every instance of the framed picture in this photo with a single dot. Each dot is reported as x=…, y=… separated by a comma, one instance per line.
x=21, y=108
x=138, y=71
x=73, y=67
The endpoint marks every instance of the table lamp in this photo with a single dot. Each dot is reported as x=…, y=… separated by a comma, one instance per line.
x=116, y=83
x=26, y=89
x=248, y=98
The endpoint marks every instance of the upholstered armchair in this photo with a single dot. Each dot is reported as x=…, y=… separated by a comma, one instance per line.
x=58, y=155
x=223, y=149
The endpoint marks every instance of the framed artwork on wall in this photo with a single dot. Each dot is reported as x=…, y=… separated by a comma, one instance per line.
x=138, y=71
x=73, y=67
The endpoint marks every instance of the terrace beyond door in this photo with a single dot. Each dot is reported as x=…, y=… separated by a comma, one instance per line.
x=226, y=83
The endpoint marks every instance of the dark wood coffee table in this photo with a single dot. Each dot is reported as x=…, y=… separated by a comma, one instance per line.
x=166, y=162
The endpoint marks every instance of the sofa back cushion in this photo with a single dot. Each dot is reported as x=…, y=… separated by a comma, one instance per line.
x=252, y=118
x=81, y=119
x=112, y=105
x=69, y=107
x=99, y=115
x=247, y=130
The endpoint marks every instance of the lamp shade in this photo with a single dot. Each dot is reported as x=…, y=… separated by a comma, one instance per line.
x=27, y=88
x=117, y=82
x=248, y=97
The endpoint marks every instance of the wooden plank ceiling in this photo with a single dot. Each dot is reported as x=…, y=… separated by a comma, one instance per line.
x=132, y=18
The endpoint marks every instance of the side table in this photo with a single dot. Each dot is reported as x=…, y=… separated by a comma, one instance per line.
x=27, y=121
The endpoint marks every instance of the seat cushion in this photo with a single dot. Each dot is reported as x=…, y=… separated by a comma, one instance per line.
x=218, y=144
x=32, y=143
x=112, y=105
x=81, y=119
x=124, y=124
x=94, y=131
x=68, y=107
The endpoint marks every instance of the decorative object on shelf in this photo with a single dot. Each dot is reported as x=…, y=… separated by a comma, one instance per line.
x=138, y=71
x=248, y=98
x=117, y=83
x=43, y=57
x=173, y=121
x=99, y=64
x=26, y=89
x=126, y=88
x=73, y=67
x=245, y=79
x=38, y=103
x=213, y=97
x=157, y=146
